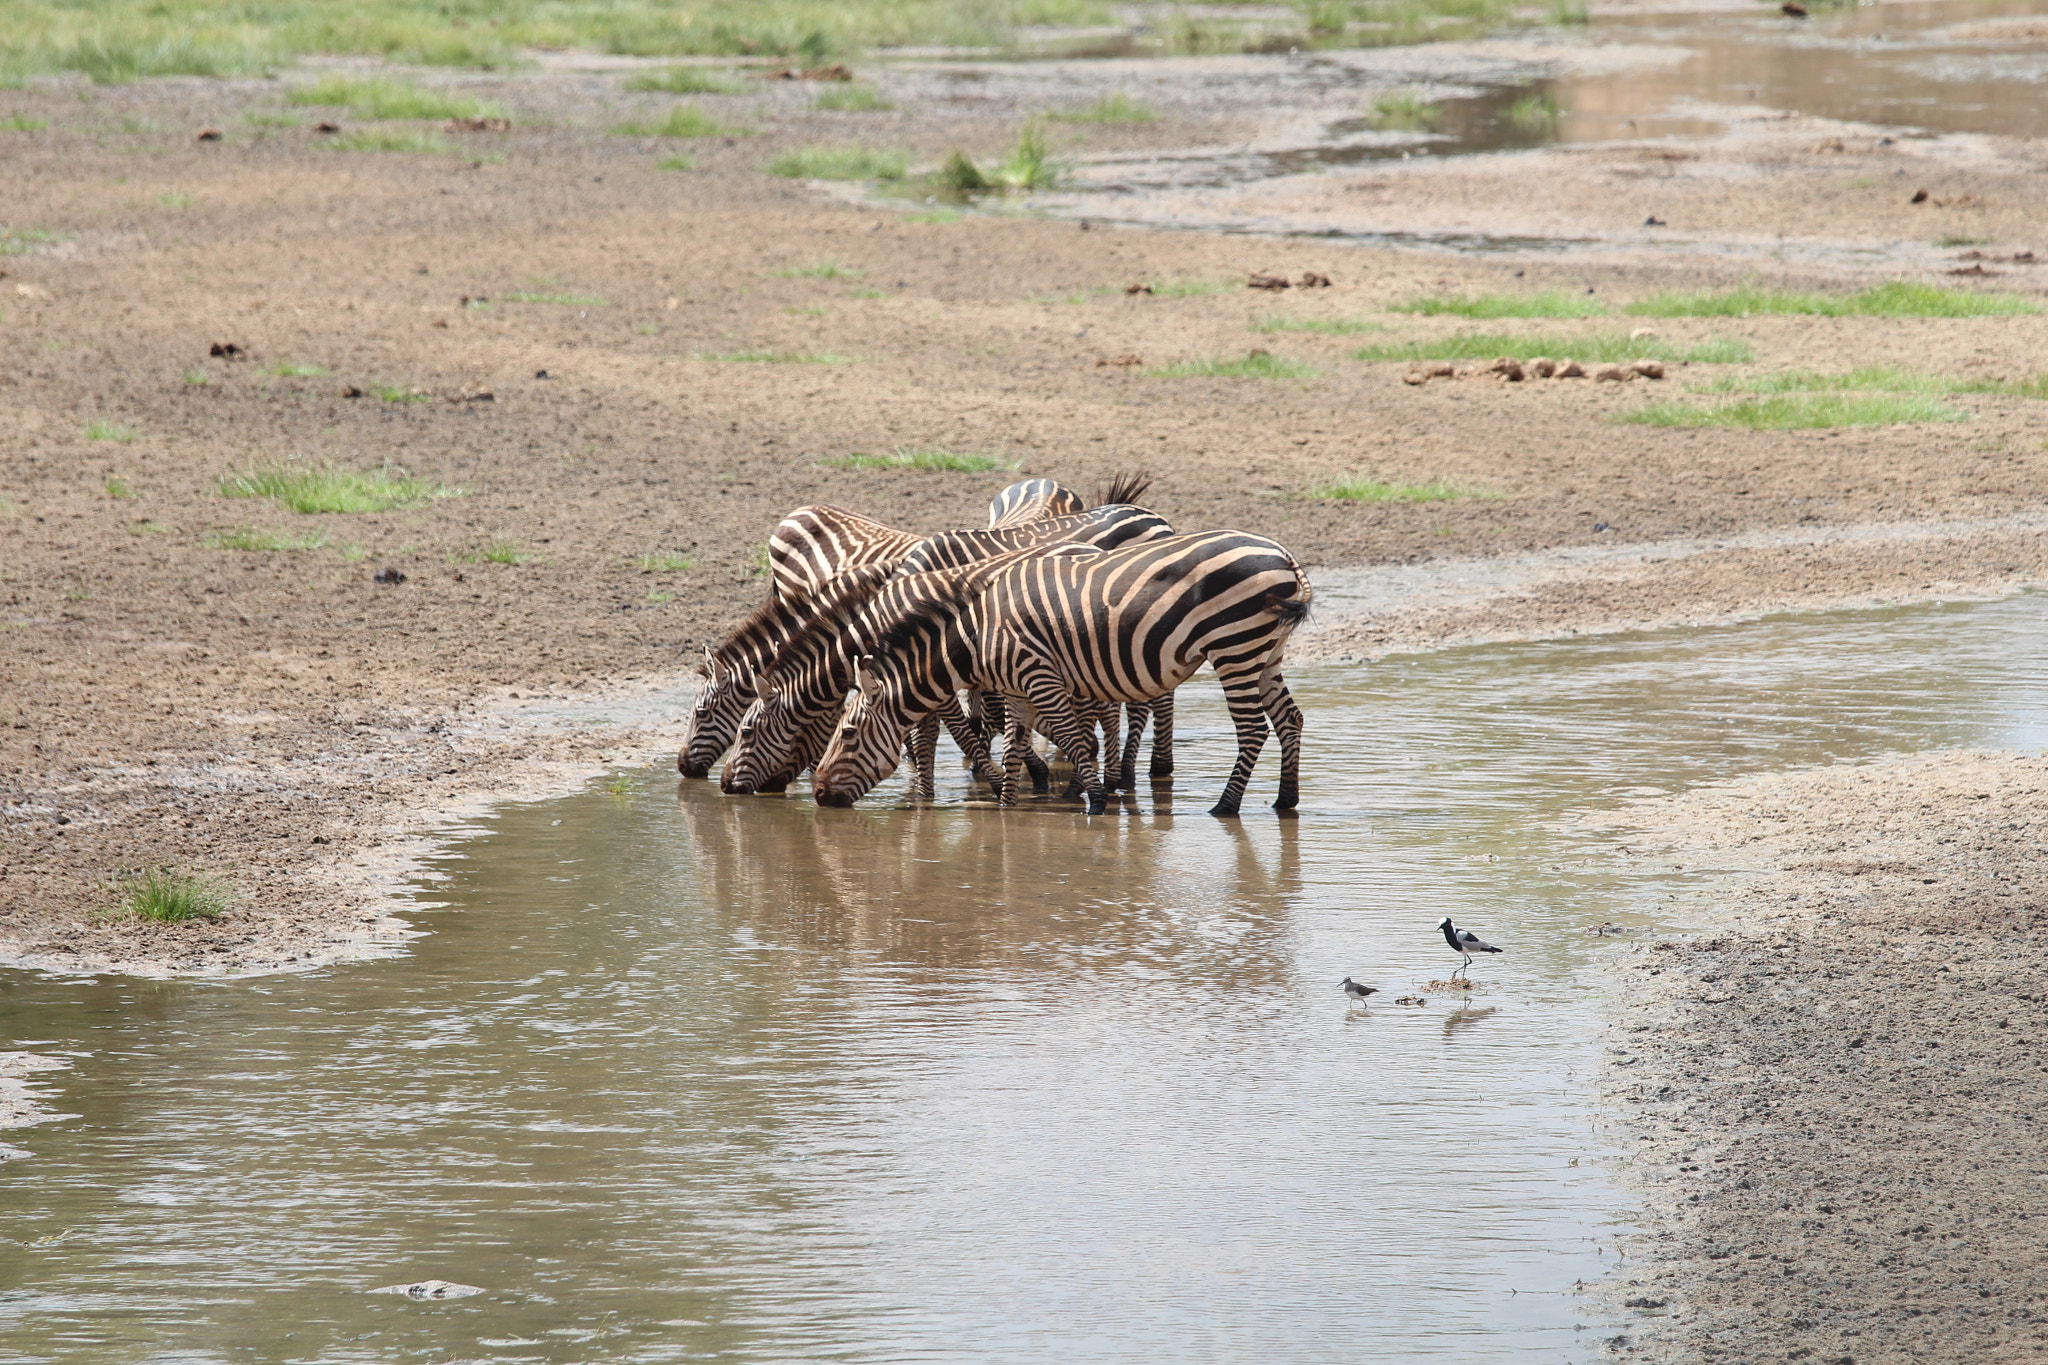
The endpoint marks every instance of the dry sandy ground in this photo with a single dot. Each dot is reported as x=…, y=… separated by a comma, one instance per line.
x=1837, y=1093
x=288, y=723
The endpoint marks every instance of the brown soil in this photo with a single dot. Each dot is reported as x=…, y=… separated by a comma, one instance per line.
x=1836, y=1091
x=286, y=721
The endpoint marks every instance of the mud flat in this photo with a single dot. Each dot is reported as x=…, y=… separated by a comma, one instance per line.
x=1836, y=1092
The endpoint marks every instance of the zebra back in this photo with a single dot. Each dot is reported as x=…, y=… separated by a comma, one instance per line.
x=1032, y=500
x=812, y=544
x=1105, y=528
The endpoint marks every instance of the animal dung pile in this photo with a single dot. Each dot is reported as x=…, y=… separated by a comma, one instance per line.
x=1513, y=371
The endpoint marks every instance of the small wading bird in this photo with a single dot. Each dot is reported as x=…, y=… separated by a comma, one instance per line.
x=1464, y=943
x=1358, y=992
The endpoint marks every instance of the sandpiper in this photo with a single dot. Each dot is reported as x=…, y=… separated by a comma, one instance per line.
x=1358, y=992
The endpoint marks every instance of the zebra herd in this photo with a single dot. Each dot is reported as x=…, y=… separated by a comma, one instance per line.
x=1050, y=620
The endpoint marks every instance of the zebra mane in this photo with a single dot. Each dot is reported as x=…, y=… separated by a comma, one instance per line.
x=928, y=604
x=1128, y=486
x=836, y=605
x=841, y=592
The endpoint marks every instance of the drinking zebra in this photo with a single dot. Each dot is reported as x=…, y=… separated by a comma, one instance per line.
x=1127, y=625
x=787, y=726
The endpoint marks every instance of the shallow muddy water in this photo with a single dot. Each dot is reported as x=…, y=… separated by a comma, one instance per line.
x=676, y=1076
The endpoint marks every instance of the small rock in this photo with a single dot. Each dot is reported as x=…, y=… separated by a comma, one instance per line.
x=1642, y=334
x=479, y=125
x=1541, y=367
x=227, y=350
x=207, y=135
x=351, y=391
x=327, y=127
x=540, y=374
x=390, y=576
x=834, y=72
x=473, y=393
x=1311, y=280
x=319, y=838
x=1648, y=369
x=1645, y=1302
x=1415, y=377
x=1137, y=289
x=1919, y=197
x=1614, y=374
x=1571, y=369
x=1412, y=1000
x=1440, y=369
x=1262, y=280
x=1976, y=270
x=1654, y=221
x=1508, y=368
x=1792, y=9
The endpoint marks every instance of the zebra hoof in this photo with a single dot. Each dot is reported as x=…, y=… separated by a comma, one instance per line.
x=1161, y=774
x=1289, y=798
x=1224, y=810
x=1093, y=802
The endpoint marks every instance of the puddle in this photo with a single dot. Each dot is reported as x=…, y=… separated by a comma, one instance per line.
x=679, y=1077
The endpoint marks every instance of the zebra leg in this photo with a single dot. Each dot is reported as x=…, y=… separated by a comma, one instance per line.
x=1016, y=744
x=971, y=739
x=1136, y=714
x=1162, y=737
x=1057, y=717
x=1287, y=723
x=1090, y=715
x=1241, y=691
x=924, y=751
x=1017, y=740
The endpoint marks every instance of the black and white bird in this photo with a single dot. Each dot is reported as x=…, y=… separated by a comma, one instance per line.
x=1358, y=992
x=1464, y=943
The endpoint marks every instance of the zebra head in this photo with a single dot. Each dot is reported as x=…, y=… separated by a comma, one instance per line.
x=760, y=755
x=716, y=715
x=869, y=739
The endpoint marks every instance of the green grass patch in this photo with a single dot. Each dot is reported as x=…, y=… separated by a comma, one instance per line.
x=938, y=215
x=323, y=489
x=685, y=120
x=172, y=897
x=1337, y=327
x=686, y=80
x=21, y=241
x=198, y=379
x=1801, y=411
x=118, y=488
x=666, y=561
x=1359, y=488
x=389, y=140
x=545, y=296
x=1117, y=108
x=1188, y=289
x=22, y=123
x=1880, y=378
x=382, y=99
x=109, y=431
x=1601, y=347
x=852, y=98
x=821, y=270
x=129, y=40
x=676, y=163
x=775, y=357
x=839, y=163
x=293, y=369
x=1898, y=299
x=962, y=462
x=1404, y=111
x=1257, y=365
x=392, y=394
x=258, y=118
x=497, y=550
x=1546, y=305
x=249, y=538
x=1536, y=113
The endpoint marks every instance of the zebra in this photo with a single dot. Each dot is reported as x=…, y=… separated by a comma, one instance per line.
x=1033, y=500
x=728, y=670
x=786, y=728
x=1125, y=625
x=812, y=544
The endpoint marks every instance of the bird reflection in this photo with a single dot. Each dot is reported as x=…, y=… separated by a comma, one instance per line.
x=1464, y=1015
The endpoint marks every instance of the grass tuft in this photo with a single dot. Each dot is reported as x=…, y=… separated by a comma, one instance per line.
x=21, y=241
x=249, y=538
x=1359, y=488
x=1257, y=365
x=297, y=370
x=839, y=163
x=853, y=99
x=1898, y=299
x=117, y=487
x=1601, y=347
x=22, y=123
x=1404, y=111
x=829, y=269
x=389, y=140
x=686, y=80
x=1880, y=378
x=172, y=897
x=685, y=120
x=963, y=462
x=324, y=489
x=1534, y=113
x=382, y=99
x=1801, y=411
x=109, y=431
x=666, y=561
x=1117, y=108
x=675, y=163
x=1546, y=305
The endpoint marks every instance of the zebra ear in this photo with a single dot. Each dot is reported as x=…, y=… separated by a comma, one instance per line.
x=764, y=686
x=865, y=677
x=712, y=666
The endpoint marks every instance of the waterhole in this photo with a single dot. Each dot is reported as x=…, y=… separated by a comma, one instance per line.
x=680, y=1077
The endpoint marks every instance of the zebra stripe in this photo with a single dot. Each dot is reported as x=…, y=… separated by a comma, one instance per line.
x=729, y=669
x=1127, y=625
x=1033, y=500
x=812, y=544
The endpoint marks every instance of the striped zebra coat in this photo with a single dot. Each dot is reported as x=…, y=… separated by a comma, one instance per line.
x=801, y=692
x=1127, y=625
x=1035, y=500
